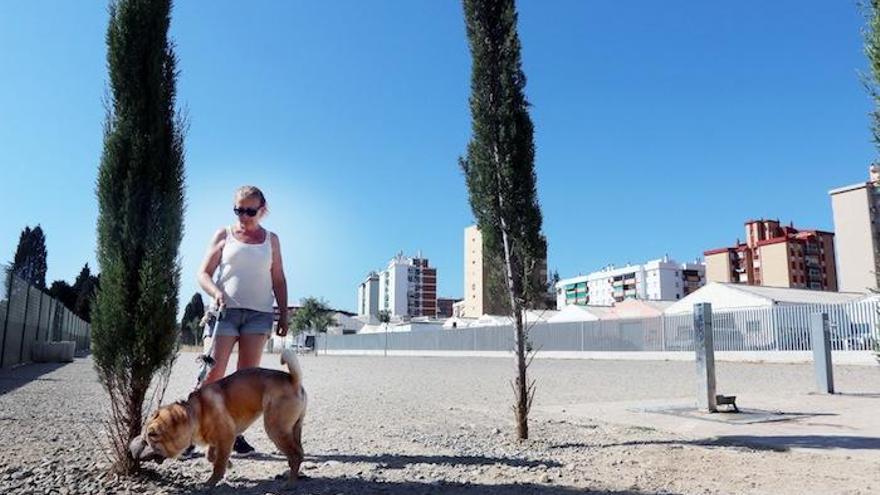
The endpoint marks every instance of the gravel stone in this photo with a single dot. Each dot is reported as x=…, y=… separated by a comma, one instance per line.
x=428, y=426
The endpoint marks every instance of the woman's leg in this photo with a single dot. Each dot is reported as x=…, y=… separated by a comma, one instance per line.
x=250, y=349
x=222, y=349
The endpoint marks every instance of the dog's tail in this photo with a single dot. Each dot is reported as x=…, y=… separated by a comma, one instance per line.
x=288, y=357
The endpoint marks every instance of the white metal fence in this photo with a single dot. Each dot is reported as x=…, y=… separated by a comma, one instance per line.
x=854, y=327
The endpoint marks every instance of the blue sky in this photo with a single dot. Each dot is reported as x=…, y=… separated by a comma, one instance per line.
x=660, y=126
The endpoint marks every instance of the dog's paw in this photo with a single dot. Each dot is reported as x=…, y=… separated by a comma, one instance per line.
x=289, y=480
x=212, y=481
x=291, y=483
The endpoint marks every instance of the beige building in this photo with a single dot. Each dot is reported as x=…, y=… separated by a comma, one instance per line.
x=478, y=300
x=776, y=256
x=856, y=225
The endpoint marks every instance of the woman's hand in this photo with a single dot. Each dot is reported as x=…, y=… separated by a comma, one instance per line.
x=283, y=326
x=219, y=300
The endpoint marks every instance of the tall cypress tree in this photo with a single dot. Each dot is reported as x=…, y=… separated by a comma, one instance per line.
x=141, y=204
x=500, y=171
x=84, y=288
x=194, y=311
x=30, y=257
x=84, y=275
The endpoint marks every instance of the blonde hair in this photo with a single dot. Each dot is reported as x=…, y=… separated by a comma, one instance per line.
x=245, y=192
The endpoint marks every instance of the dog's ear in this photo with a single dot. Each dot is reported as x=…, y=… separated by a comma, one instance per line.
x=178, y=412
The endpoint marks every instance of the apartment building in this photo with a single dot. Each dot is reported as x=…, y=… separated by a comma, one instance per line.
x=445, y=307
x=479, y=299
x=856, y=211
x=407, y=287
x=368, y=296
x=657, y=280
x=777, y=256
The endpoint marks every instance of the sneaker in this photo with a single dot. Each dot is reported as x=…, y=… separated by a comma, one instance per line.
x=241, y=446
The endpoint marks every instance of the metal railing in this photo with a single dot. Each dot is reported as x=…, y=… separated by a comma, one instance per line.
x=29, y=316
x=854, y=327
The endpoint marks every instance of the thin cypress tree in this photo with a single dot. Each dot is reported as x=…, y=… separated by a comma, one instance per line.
x=141, y=204
x=872, y=81
x=500, y=172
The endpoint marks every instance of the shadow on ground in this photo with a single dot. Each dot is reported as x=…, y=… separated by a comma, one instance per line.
x=778, y=443
x=865, y=395
x=401, y=461
x=13, y=378
x=368, y=484
x=359, y=486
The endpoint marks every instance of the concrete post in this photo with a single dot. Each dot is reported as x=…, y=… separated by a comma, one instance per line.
x=24, y=322
x=821, y=339
x=705, y=357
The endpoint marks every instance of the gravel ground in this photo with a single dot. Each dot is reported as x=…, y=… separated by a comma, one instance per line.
x=434, y=425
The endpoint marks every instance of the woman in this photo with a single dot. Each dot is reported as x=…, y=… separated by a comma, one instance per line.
x=250, y=276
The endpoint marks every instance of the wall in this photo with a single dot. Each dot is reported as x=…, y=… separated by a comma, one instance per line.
x=718, y=267
x=473, y=272
x=854, y=244
x=775, y=265
x=29, y=317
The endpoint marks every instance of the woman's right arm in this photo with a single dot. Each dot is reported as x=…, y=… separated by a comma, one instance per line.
x=209, y=266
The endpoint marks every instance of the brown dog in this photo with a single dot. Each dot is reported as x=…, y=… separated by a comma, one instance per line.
x=216, y=413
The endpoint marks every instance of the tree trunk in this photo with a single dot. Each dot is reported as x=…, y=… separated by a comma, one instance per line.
x=521, y=407
x=521, y=388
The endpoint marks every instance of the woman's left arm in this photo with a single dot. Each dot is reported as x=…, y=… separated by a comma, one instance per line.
x=279, y=286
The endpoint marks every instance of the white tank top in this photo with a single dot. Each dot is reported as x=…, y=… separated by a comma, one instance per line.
x=244, y=274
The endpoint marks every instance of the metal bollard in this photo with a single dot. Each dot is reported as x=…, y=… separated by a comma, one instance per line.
x=821, y=340
x=705, y=357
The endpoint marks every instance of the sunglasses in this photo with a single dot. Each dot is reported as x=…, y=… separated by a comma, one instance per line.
x=251, y=212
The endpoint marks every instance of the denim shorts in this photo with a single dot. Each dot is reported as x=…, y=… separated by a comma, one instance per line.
x=240, y=321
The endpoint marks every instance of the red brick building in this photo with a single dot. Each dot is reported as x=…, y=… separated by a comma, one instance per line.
x=776, y=256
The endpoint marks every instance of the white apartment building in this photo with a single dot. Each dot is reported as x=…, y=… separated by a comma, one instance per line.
x=406, y=288
x=857, y=233
x=368, y=296
x=658, y=280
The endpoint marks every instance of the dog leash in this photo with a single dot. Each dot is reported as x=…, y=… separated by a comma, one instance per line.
x=210, y=321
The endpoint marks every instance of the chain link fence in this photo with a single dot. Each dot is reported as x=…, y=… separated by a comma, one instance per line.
x=29, y=316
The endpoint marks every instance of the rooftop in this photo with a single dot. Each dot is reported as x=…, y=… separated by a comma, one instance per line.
x=725, y=295
x=787, y=295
